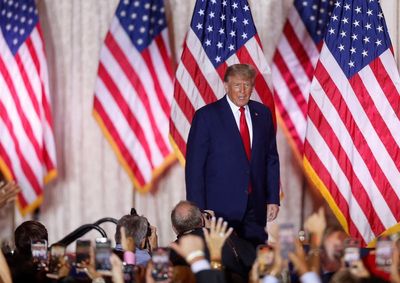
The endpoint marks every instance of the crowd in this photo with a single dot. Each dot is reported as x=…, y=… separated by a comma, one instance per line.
x=206, y=250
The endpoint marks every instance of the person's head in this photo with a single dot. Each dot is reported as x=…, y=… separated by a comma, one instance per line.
x=26, y=233
x=333, y=248
x=186, y=216
x=333, y=242
x=239, y=83
x=133, y=233
x=345, y=276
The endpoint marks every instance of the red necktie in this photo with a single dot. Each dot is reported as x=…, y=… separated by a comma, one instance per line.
x=244, y=132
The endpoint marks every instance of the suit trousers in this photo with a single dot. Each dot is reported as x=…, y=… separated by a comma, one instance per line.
x=249, y=228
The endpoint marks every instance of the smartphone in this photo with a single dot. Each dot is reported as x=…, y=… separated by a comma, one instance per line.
x=39, y=253
x=351, y=251
x=265, y=259
x=82, y=252
x=161, y=264
x=103, y=253
x=57, y=253
x=286, y=239
x=383, y=253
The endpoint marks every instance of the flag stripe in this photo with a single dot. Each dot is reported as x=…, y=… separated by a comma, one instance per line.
x=354, y=170
x=114, y=133
x=387, y=88
x=297, y=25
x=124, y=109
x=136, y=82
x=133, y=105
x=146, y=54
x=391, y=70
x=214, y=79
x=197, y=76
x=336, y=190
x=184, y=102
x=371, y=159
x=372, y=111
x=337, y=176
x=27, y=83
x=19, y=121
x=299, y=50
x=24, y=164
x=358, y=120
x=135, y=149
x=14, y=167
x=291, y=127
x=293, y=88
x=165, y=54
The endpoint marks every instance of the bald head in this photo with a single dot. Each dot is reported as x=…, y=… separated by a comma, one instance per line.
x=186, y=216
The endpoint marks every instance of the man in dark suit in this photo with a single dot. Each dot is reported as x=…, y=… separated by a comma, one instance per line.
x=232, y=163
x=238, y=255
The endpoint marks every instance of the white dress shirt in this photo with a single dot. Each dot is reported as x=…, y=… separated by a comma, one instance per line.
x=236, y=113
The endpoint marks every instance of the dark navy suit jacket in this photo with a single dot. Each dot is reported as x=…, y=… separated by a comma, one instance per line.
x=218, y=172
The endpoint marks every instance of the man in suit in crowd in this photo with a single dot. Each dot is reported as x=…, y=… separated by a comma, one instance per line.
x=238, y=255
x=232, y=163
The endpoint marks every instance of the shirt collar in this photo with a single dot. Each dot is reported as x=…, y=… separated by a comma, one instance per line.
x=233, y=106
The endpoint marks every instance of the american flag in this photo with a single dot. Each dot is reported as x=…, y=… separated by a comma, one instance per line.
x=27, y=149
x=221, y=33
x=294, y=62
x=134, y=89
x=352, y=143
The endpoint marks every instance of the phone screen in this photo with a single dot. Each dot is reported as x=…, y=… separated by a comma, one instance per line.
x=383, y=253
x=286, y=239
x=57, y=253
x=161, y=264
x=103, y=253
x=265, y=259
x=351, y=251
x=82, y=252
x=39, y=253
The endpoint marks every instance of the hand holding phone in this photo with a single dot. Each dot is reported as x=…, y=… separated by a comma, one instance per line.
x=57, y=253
x=161, y=264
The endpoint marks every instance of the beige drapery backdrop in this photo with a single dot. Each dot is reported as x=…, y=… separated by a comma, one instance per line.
x=91, y=183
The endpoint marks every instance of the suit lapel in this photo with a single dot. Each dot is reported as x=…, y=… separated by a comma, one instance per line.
x=231, y=129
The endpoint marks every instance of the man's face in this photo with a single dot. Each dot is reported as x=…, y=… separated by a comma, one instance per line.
x=239, y=89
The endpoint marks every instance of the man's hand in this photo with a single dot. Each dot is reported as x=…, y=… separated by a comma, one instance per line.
x=272, y=212
x=187, y=245
x=153, y=239
x=316, y=224
x=217, y=236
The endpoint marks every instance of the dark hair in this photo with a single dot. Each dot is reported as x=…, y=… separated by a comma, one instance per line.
x=26, y=233
x=186, y=216
x=243, y=70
